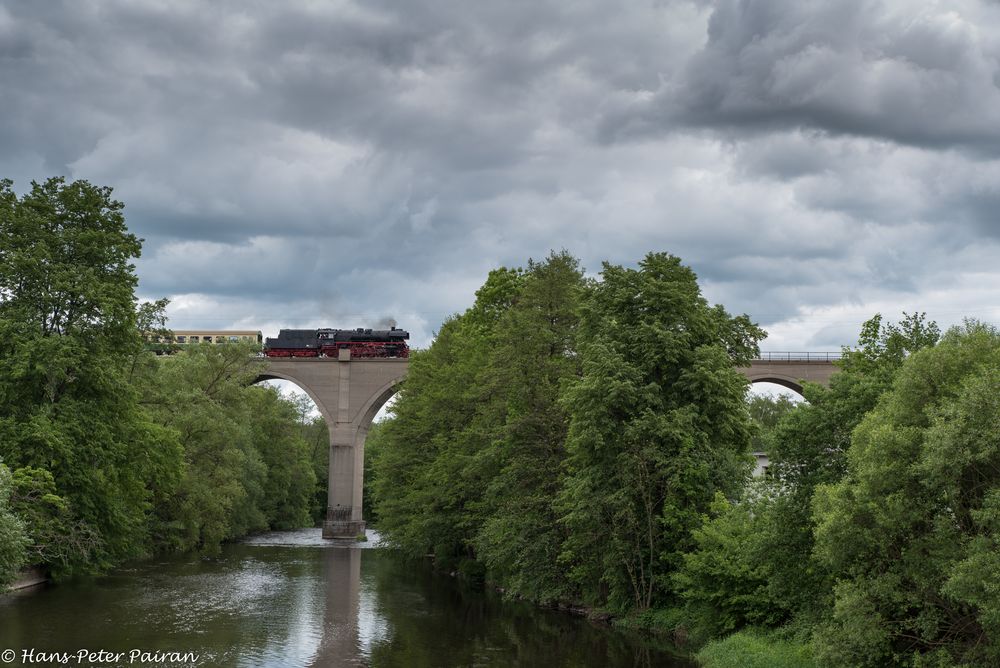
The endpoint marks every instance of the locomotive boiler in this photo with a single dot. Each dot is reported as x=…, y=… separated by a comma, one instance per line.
x=363, y=343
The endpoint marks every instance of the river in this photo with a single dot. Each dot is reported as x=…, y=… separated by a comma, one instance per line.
x=293, y=599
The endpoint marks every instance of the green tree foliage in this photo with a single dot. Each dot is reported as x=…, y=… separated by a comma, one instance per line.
x=534, y=355
x=811, y=445
x=809, y=448
x=568, y=435
x=115, y=453
x=67, y=333
x=911, y=533
x=312, y=429
x=290, y=484
x=373, y=445
x=14, y=540
x=766, y=412
x=58, y=539
x=316, y=434
x=246, y=466
x=658, y=424
x=754, y=563
x=725, y=580
x=429, y=484
x=470, y=467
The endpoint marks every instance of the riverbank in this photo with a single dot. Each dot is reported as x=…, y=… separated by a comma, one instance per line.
x=26, y=579
x=750, y=649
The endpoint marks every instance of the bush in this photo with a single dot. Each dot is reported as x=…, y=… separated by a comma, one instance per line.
x=724, y=580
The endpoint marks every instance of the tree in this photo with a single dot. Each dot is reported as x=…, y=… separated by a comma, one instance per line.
x=291, y=482
x=754, y=561
x=809, y=448
x=724, y=580
x=428, y=482
x=912, y=533
x=67, y=335
x=13, y=537
x=766, y=412
x=658, y=425
x=470, y=466
x=534, y=355
x=373, y=444
x=246, y=466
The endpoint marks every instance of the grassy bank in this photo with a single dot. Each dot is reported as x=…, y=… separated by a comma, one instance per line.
x=748, y=649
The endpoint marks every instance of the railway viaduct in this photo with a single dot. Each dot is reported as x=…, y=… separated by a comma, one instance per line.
x=348, y=393
x=791, y=369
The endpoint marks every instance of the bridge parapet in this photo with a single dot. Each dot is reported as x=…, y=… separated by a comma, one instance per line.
x=770, y=356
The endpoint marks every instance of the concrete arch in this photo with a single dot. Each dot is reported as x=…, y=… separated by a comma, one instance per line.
x=273, y=375
x=377, y=401
x=785, y=381
x=790, y=373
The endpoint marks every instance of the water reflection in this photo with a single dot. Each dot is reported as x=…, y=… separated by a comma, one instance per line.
x=293, y=599
x=340, y=645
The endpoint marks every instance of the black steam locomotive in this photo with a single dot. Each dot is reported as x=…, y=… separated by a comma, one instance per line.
x=329, y=342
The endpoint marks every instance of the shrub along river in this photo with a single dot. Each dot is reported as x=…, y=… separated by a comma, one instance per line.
x=293, y=599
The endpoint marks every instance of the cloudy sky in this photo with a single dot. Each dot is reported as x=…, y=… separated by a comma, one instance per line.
x=336, y=163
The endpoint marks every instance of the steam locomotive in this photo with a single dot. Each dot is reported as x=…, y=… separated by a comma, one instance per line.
x=328, y=342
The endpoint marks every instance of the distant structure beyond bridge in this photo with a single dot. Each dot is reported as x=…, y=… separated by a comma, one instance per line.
x=349, y=392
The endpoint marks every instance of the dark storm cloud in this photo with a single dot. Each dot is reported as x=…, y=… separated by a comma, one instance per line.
x=913, y=73
x=305, y=163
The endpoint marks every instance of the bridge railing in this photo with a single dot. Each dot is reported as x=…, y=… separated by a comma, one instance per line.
x=798, y=357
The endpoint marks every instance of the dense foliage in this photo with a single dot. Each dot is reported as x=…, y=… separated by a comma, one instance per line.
x=587, y=441
x=563, y=436
x=877, y=540
x=658, y=425
x=13, y=537
x=755, y=562
x=482, y=403
x=245, y=466
x=109, y=452
x=67, y=328
x=766, y=413
x=912, y=532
